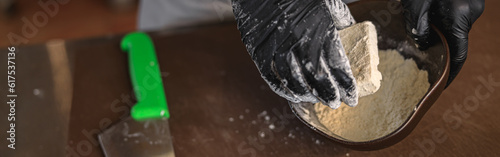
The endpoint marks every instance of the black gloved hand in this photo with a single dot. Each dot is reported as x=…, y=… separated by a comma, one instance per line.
x=452, y=17
x=295, y=45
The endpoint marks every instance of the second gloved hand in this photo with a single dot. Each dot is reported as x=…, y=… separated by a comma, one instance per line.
x=297, y=49
x=452, y=17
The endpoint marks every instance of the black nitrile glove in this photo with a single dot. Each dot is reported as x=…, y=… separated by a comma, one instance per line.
x=297, y=49
x=452, y=17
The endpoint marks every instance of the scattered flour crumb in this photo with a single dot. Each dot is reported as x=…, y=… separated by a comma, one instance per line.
x=271, y=126
x=262, y=134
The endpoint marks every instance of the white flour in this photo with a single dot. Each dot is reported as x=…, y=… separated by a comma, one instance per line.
x=402, y=87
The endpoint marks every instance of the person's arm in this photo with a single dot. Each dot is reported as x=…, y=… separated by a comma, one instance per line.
x=452, y=17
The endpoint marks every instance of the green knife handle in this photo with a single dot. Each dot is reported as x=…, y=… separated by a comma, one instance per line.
x=146, y=78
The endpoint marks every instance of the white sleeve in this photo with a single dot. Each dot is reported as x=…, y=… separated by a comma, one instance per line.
x=158, y=14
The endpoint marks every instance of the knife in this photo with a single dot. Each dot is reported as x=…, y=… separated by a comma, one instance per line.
x=146, y=132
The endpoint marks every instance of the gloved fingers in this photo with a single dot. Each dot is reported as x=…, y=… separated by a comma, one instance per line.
x=312, y=44
x=455, y=28
x=339, y=68
x=269, y=75
x=416, y=16
x=455, y=18
x=458, y=55
x=286, y=63
x=340, y=13
x=321, y=83
x=476, y=7
x=265, y=27
x=289, y=41
x=269, y=70
x=291, y=77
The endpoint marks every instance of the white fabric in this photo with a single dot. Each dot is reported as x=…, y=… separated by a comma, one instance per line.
x=159, y=14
